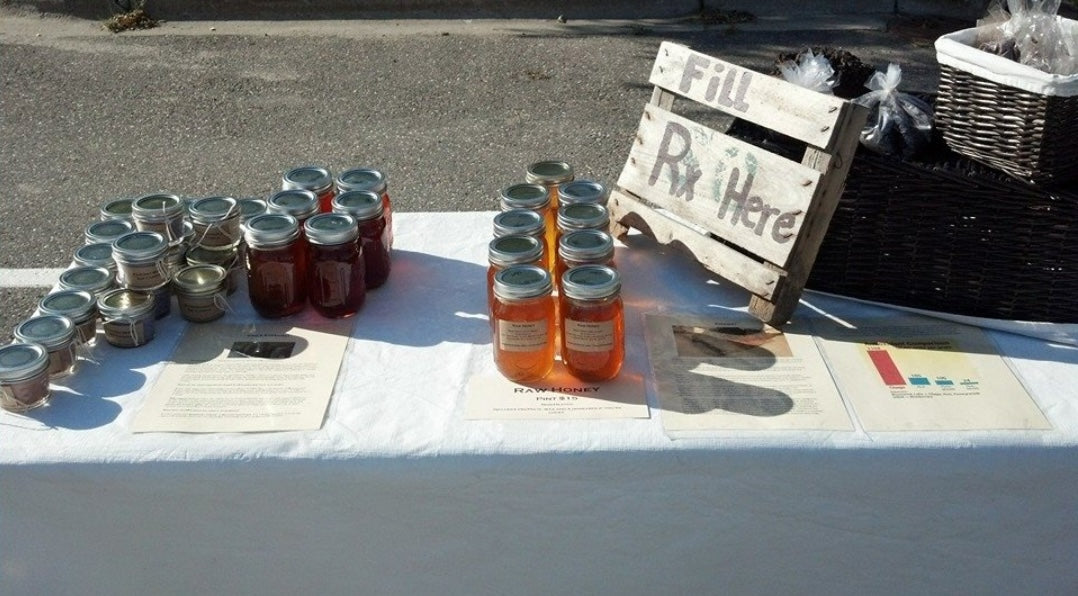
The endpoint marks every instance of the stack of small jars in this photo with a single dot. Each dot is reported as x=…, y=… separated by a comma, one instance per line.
x=552, y=285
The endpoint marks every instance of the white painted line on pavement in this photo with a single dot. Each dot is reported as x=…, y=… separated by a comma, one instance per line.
x=29, y=278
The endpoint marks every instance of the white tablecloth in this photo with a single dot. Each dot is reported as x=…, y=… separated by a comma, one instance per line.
x=399, y=494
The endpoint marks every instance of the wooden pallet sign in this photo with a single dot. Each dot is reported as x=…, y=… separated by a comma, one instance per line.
x=746, y=214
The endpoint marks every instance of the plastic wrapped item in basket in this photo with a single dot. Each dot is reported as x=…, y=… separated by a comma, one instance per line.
x=1010, y=116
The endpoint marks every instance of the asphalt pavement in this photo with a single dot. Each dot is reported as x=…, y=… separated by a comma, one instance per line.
x=451, y=108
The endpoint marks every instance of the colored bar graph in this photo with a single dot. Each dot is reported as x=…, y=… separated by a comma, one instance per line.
x=885, y=366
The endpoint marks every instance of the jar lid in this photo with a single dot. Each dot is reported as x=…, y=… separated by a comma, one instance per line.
x=518, y=221
x=212, y=209
x=524, y=196
x=91, y=279
x=98, y=254
x=363, y=205
x=19, y=361
x=157, y=205
x=583, y=191
x=362, y=179
x=514, y=250
x=583, y=216
x=590, y=282
x=51, y=331
x=519, y=282
x=117, y=209
x=200, y=279
x=139, y=246
x=107, y=230
x=331, y=228
x=76, y=305
x=251, y=207
x=125, y=303
x=300, y=204
x=313, y=178
x=549, y=172
x=585, y=245
x=271, y=229
x=202, y=255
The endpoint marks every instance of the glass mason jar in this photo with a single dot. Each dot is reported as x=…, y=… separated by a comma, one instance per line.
x=127, y=317
x=523, y=222
x=336, y=271
x=251, y=207
x=366, y=207
x=55, y=333
x=276, y=261
x=107, y=231
x=313, y=178
x=24, y=377
x=506, y=251
x=300, y=204
x=592, y=322
x=228, y=258
x=161, y=213
x=95, y=280
x=582, y=216
x=374, y=181
x=200, y=292
x=116, y=209
x=79, y=306
x=584, y=247
x=583, y=191
x=141, y=260
x=216, y=222
x=533, y=197
x=98, y=254
x=551, y=174
x=524, y=323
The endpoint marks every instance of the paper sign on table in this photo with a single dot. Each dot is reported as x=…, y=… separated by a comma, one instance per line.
x=558, y=397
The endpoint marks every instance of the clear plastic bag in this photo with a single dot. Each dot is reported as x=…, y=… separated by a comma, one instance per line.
x=899, y=124
x=1029, y=32
x=811, y=71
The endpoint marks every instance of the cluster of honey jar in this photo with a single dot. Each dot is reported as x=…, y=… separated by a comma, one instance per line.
x=552, y=286
x=321, y=239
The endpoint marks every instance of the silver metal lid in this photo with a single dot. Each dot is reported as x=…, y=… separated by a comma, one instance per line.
x=98, y=254
x=300, y=204
x=251, y=207
x=549, y=172
x=362, y=179
x=107, y=230
x=524, y=196
x=20, y=361
x=200, y=279
x=125, y=303
x=117, y=209
x=158, y=206
x=331, y=228
x=139, y=247
x=583, y=191
x=590, y=282
x=313, y=178
x=77, y=305
x=586, y=245
x=520, y=282
x=519, y=221
x=271, y=229
x=91, y=279
x=583, y=216
x=514, y=250
x=363, y=205
x=50, y=331
x=214, y=209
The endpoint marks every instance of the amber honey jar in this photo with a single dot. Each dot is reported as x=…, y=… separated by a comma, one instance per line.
x=506, y=251
x=583, y=191
x=300, y=204
x=582, y=216
x=533, y=197
x=276, y=260
x=552, y=174
x=367, y=207
x=313, y=178
x=584, y=247
x=336, y=285
x=373, y=180
x=592, y=322
x=523, y=332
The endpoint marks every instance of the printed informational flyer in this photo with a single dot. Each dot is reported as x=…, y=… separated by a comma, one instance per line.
x=260, y=377
x=739, y=374
x=926, y=376
x=559, y=396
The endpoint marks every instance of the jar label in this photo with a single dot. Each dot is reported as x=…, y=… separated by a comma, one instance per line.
x=143, y=276
x=522, y=336
x=589, y=336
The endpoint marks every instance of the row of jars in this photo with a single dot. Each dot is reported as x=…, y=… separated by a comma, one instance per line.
x=552, y=285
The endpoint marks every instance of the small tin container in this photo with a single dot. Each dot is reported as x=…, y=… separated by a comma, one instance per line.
x=300, y=204
x=216, y=222
x=24, y=377
x=107, y=231
x=98, y=254
x=116, y=209
x=551, y=174
x=127, y=316
x=162, y=213
x=228, y=258
x=95, y=280
x=55, y=333
x=200, y=292
x=79, y=306
x=583, y=191
x=313, y=178
x=141, y=260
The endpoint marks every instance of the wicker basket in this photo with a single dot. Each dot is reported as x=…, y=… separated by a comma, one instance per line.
x=1007, y=115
